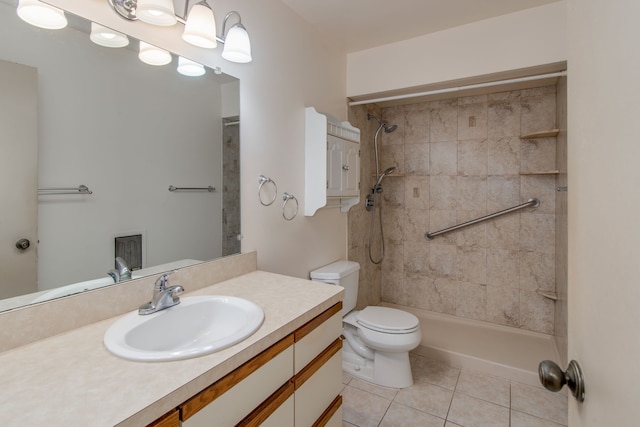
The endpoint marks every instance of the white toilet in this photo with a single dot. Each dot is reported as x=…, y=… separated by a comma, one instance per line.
x=377, y=339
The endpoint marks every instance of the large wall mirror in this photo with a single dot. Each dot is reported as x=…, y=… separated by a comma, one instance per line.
x=76, y=113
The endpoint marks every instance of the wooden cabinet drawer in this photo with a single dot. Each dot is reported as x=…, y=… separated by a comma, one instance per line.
x=317, y=385
x=228, y=404
x=312, y=338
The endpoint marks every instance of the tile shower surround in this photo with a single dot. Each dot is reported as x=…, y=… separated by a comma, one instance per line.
x=460, y=159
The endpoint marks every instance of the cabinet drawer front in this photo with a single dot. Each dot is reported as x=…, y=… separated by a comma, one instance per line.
x=232, y=406
x=317, y=393
x=283, y=416
x=315, y=341
x=335, y=420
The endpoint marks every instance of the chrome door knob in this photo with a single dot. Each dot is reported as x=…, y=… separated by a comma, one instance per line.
x=23, y=244
x=553, y=378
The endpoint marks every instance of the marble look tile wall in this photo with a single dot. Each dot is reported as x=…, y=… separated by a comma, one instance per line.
x=460, y=159
x=359, y=220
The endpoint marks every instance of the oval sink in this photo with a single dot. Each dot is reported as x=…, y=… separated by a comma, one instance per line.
x=197, y=326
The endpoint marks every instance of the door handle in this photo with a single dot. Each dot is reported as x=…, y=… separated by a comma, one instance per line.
x=553, y=378
x=23, y=244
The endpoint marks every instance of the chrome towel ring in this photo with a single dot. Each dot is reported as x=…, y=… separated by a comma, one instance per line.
x=287, y=197
x=263, y=180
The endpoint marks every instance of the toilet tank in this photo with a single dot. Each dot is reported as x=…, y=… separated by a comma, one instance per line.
x=342, y=273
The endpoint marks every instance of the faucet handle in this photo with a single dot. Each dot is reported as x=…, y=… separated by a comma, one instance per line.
x=162, y=282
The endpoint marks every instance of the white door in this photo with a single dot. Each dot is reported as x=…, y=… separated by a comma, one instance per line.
x=604, y=209
x=18, y=178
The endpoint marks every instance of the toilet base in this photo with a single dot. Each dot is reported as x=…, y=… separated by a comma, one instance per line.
x=386, y=369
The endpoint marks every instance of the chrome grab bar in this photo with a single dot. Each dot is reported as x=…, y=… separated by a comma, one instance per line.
x=534, y=203
x=210, y=189
x=81, y=189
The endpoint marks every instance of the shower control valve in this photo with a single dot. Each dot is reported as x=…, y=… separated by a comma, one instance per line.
x=369, y=202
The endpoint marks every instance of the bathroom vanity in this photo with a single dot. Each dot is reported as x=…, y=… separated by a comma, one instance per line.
x=288, y=373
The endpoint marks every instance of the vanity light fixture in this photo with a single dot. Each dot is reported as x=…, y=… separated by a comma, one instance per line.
x=200, y=25
x=149, y=54
x=41, y=15
x=107, y=37
x=189, y=68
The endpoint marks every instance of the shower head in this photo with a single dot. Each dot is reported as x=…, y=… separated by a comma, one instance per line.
x=388, y=171
x=387, y=128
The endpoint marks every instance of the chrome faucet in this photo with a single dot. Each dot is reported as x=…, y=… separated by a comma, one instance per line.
x=164, y=296
x=122, y=271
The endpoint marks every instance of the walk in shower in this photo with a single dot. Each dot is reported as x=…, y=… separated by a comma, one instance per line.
x=479, y=290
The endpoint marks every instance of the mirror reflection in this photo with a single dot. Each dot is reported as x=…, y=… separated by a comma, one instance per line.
x=77, y=113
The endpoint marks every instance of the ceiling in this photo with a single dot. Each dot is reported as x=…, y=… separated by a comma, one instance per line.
x=364, y=24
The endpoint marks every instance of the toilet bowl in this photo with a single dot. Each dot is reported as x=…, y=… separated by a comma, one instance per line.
x=377, y=340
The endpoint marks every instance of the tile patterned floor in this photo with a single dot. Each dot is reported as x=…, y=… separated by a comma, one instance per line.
x=444, y=396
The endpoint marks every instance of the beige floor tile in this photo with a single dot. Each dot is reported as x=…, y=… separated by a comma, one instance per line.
x=468, y=411
x=539, y=402
x=385, y=392
x=427, y=398
x=361, y=408
x=450, y=424
x=520, y=419
x=486, y=387
x=434, y=372
x=346, y=378
x=404, y=416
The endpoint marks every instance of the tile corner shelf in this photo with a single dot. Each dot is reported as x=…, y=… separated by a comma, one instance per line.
x=332, y=163
x=542, y=134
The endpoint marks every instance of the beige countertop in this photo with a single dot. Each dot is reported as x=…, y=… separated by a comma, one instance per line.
x=71, y=379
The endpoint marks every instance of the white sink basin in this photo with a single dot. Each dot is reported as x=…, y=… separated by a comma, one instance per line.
x=195, y=327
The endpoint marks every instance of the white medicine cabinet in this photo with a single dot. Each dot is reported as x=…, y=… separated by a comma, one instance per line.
x=332, y=163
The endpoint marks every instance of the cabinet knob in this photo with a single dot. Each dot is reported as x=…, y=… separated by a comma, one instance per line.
x=345, y=167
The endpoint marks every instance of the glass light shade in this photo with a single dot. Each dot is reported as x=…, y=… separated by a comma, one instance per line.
x=156, y=12
x=41, y=15
x=107, y=37
x=187, y=67
x=152, y=55
x=200, y=28
x=237, y=47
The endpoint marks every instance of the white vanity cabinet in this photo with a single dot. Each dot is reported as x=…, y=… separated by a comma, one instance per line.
x=295, y=382
x=318, y=370
x=332, y=163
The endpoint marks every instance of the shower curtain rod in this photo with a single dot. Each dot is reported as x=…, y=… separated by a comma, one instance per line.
x=459, y=88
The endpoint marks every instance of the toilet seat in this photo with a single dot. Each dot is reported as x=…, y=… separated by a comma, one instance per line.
x=387, y=320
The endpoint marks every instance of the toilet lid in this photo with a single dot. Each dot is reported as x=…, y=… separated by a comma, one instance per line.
x=388, y=320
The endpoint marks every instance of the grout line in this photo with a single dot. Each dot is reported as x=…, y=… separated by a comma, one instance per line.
x=453, y=394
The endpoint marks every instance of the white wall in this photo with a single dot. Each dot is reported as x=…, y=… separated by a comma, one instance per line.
x=604, y=207
x=523, y=39
x=292, y=68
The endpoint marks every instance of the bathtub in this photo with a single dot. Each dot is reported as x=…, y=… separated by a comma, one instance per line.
x=493, y=349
